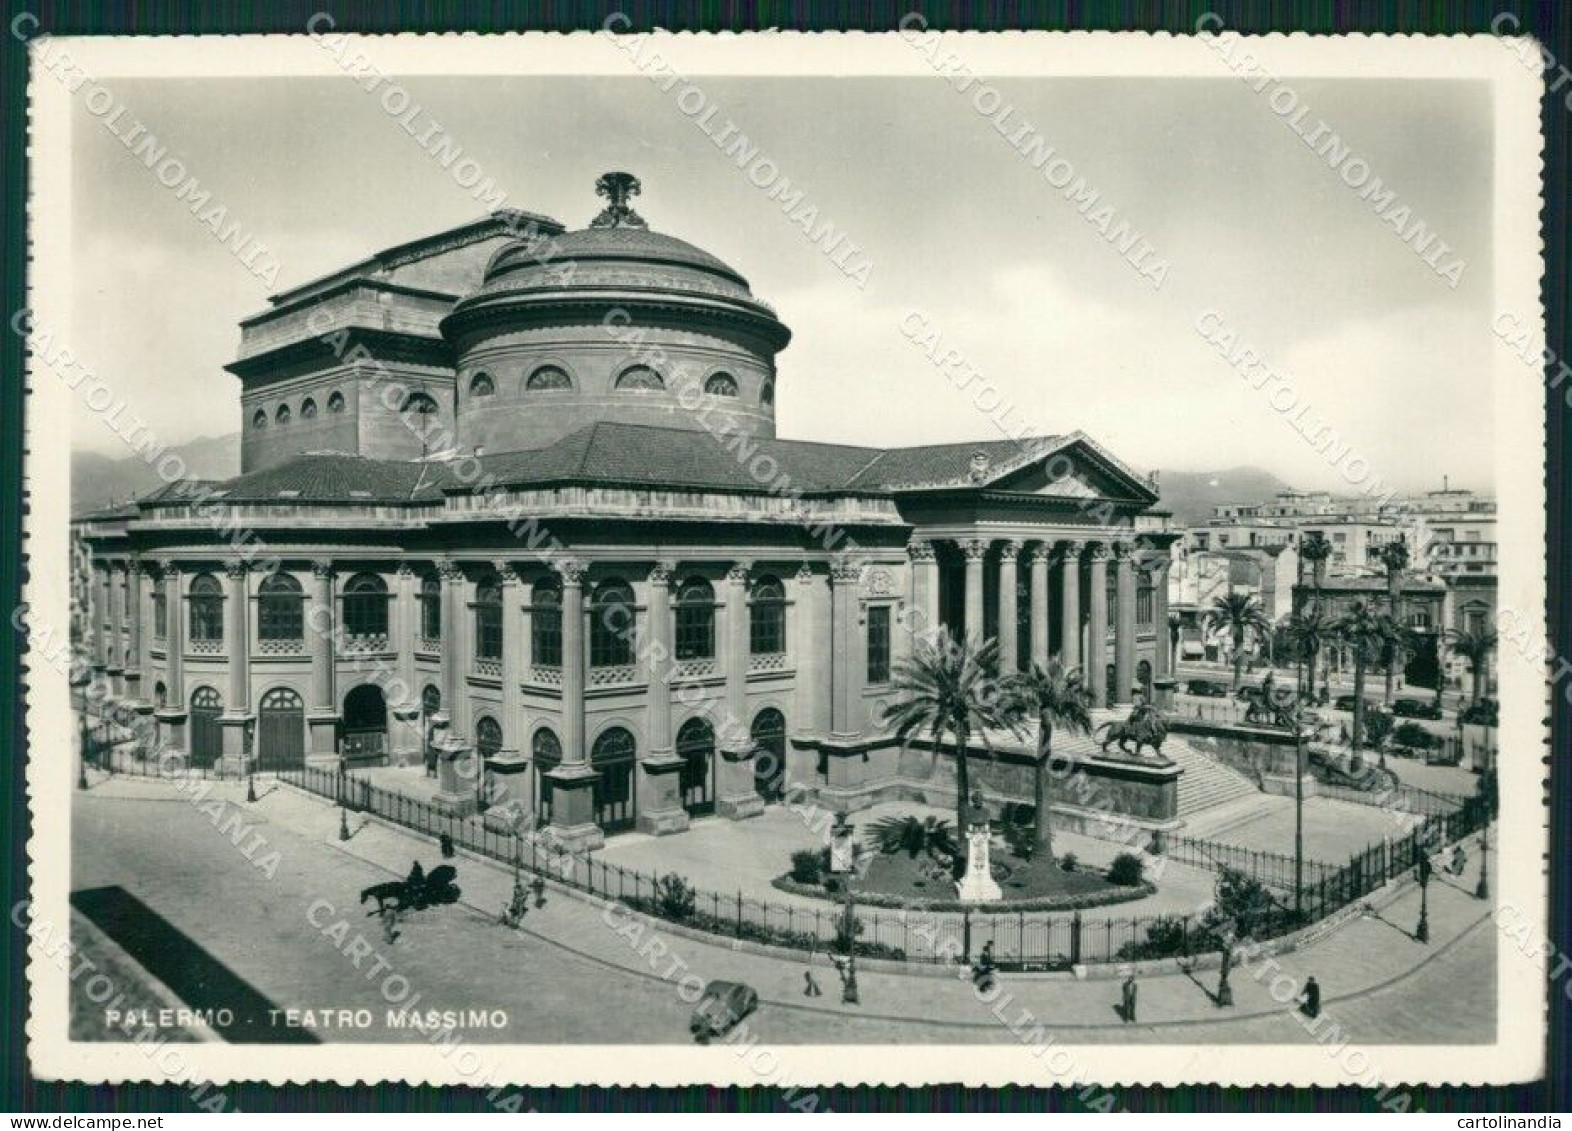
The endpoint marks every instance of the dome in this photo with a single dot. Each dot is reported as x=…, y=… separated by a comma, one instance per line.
x=610, y=323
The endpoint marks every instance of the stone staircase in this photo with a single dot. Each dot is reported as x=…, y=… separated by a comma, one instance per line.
x=1205, y=783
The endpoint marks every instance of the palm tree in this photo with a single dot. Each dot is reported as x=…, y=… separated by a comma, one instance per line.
x=1238, y=614
x=1475, y=647
x=950, y=689
x=1307, y=631
x=1315, y=549
x=1060, y=697
x=1367, y=632
x=1394, y=559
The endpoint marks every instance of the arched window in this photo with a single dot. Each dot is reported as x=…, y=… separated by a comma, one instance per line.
x=430, y=607
x=488, y=736
x=695, y=620
x=639, y=379
x=481, y=385
x=308, y=409
x=767, y=394
x=335, y=401
x=279, y=608
x=207, y=609
x=696, y=748
x=366, y=606
x=545, y=635
x=281, y=417
x=548, y=377
x=431, y=699
x=611, y=625
x=721, y=385
x=259, y=419
x=419, y=404
x=767, y=617
x=488, y=618
x=160, y=694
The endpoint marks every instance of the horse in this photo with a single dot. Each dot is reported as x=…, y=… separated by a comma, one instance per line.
x=392, y=891
x=419, y=891
x=1143, y=732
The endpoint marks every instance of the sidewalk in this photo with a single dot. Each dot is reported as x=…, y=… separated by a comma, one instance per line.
x=1366, y=955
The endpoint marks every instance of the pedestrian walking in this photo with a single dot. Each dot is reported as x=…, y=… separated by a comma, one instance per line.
x=810, y=985
x=1459, y=860
x=445, y=842
x=849, y=993
x=1310, y=998
x=1127, y=996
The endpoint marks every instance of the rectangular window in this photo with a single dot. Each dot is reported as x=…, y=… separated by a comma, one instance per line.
x=878, y=644
x=546, y=636
x=695, y=630
x=1143, y=606
x=431, y=613
x=160, y=614
x=488, y=631
x=767, y=629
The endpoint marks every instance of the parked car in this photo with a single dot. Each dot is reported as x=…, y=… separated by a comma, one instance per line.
x=1207, y=689
x=1344, y=702
x=1415, y=709
x=722, y=1006
x=1486, y=712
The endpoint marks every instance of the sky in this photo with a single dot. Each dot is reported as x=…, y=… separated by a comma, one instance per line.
x=951, y=220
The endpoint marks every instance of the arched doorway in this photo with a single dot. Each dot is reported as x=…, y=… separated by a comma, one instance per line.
x=207, y=741
x=488, y=743
x=696, y=779
x=281, y=731
x=769, y=754
x=1110, y=686
x=612, y=758
x=430, y=704
x=546, y=754
x=365, y=724
x=1143, y=676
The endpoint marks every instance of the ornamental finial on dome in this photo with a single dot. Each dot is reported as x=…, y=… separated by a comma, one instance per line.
x=617, y=188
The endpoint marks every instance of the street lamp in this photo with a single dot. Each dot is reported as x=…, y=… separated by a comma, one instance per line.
x=1483, y=890
x=251, y=767
x=343, y=800
x=1422, y=932
x=81, y=762
x=1299, y=820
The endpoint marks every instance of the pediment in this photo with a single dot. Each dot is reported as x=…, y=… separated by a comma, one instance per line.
x=1080, y=470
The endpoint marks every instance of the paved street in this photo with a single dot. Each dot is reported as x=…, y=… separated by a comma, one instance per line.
x=575, y=974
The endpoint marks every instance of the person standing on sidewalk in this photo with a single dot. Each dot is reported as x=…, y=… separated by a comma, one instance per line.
x=1310, y=999
x=1128, y=995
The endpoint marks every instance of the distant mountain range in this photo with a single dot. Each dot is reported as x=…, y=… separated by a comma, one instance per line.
x=1191, y=495
x=98, y=481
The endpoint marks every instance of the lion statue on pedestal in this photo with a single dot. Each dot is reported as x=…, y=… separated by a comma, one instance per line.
x=1144, y=727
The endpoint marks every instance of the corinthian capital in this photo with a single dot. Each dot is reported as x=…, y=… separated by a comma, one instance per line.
x=920, y=550
x=975, y=549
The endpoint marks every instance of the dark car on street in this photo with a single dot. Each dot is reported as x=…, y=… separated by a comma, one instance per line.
x=1344, y=702
x=1207, y=689
x=722, y=1006
x=1415, y=709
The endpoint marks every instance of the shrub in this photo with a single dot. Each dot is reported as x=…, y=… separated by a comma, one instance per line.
x=807, y=866
x=1068, y=862
x=1126, y=870
x=1378, y=724
x=1414, y=735
x=1021, y=839
x=1168, y=938
x=674, y=898
x=915, y=836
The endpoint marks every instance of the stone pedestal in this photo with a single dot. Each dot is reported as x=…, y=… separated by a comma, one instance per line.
x=236, y=748
x=978, y=884
x=573, y=827
x=457, y=773
x=172, y=727
x=1282, y=785
x=323, y=728
x=405, y=736
x=738, y=799
x=1163, y=691
x=660, y=795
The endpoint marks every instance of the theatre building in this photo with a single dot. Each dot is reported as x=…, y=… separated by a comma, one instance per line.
x=516, y=492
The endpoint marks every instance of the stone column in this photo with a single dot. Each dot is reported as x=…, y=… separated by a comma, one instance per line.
x=925, y=591
x=1162, y=663
x=101, y=619
x=573, y=782
x=454, y=661
x=807, y=640
x=508, y=769
x=975, y=550
x=237, y=717
x=321, y=626
x=404, y=632
x=1009, y=612
x=737, y=797
x=172, y=716
x=1124, y=623
x=846, y=651
x=1037, y=562
x=114, y=591
x=1097, y=625
x=660, y=796
x=136, y=650
x=1070, y=603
